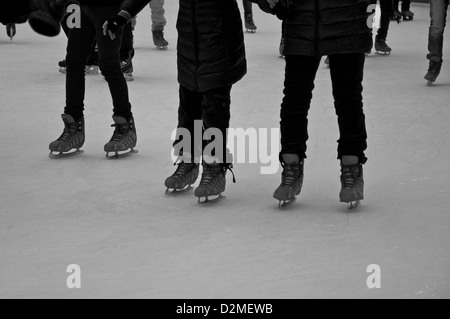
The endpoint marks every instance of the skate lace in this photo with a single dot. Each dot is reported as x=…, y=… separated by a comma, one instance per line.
x=434, y=67
x=120, y=132
x=290, y=174
x=183, y=168
x=349, y=174
x=69, y=132
x=210, y=172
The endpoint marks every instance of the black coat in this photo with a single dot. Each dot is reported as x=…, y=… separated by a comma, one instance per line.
x=210, y=49
x=322, y=27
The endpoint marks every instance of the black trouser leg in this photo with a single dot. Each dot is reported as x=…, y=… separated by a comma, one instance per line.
x=347, y=75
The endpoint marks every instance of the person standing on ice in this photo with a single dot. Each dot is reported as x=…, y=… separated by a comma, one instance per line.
x=211, y=58
x=96, y=22
x=438, y=14
x=313, y=29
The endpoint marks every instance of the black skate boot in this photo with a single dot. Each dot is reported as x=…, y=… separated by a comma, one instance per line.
x=381, y=46
x=158, y=39
x=127, y=70
x=396, y=15
x=72, y=138
x=407, y=15
x=62, y=66
x=11, y=30
x=124, y=138
x=212, y=183
x=291, y=183
x=185, y=175
x=249, y=23
x=352, y=185
x=433, y=72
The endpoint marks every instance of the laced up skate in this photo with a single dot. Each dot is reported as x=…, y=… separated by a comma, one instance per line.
x=91, y=70
x=212, y=183
x=407, y=15
x=71, y=139
x=158, y=39
x=352, y=185
x=124, y=138
x=433, y=72
x=185, y=175
x=291, y=183
x=249, y=23
x=381, y=47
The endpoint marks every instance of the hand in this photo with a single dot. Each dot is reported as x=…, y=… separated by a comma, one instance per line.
x=110, y=26
x=272, y=3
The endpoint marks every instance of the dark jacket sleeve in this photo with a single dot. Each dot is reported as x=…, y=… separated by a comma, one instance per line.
x=133, y=7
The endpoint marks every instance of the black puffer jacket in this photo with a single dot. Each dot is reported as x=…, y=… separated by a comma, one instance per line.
x=322, y=27
x=210, y=48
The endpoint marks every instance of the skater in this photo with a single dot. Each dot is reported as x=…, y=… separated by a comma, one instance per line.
x=248, y=16
x=96, y=22
x=158, y=24
x=92, y=61
x=307, y=40
x=385, y=20
x=211, y=58
x=405, y=12
x=438, y=14
x=43, y=16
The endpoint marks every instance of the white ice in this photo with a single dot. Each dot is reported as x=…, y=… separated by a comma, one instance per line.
x=111, y=217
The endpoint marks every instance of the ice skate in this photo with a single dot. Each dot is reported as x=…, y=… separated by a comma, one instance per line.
x=433, y=72
x=397, y=15
x=158, y=39
x=249, y=23
x=62, y=66
x=291, y=183
x=212, y=183
x=11, y=30
x=352, y=185
x=70, y=141
x=407, y=15
x=185, y=175
x=127, y=70
x=381, y=47
x=91, y=70
x=124, y=138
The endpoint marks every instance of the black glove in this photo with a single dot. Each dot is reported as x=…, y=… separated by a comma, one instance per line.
x=112, y=25
x=281, y=9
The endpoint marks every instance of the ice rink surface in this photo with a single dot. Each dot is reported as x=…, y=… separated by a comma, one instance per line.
x=112, y=218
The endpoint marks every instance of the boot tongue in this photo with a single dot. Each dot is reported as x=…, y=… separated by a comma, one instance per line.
x=67, y=118
x=119, y=119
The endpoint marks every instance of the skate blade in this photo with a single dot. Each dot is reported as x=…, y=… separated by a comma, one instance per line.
x=162, y=47
x=58, y=155
x=118, y=155
x=210, y=200
x=430, y=83
x=62, y=70
x=176, y=191
x=353, y=204
x=251, y=31
x=286, y=203
x=384, y=52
